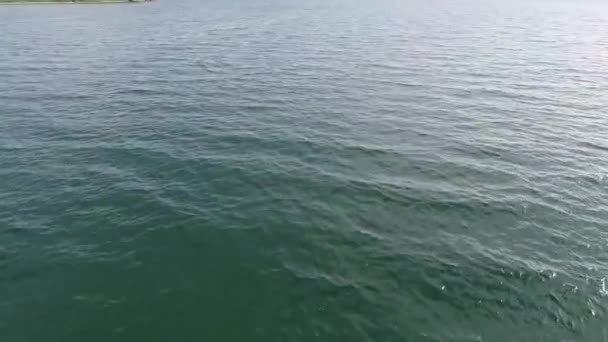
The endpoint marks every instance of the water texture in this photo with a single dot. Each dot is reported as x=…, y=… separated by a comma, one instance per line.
x=281, y=170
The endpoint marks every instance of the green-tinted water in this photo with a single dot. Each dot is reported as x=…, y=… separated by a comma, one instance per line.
x=296, y=171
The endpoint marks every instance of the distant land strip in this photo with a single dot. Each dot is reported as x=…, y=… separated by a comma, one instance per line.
x=58, y=2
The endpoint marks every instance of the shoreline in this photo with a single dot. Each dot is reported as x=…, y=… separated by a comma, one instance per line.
x=68, y=2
